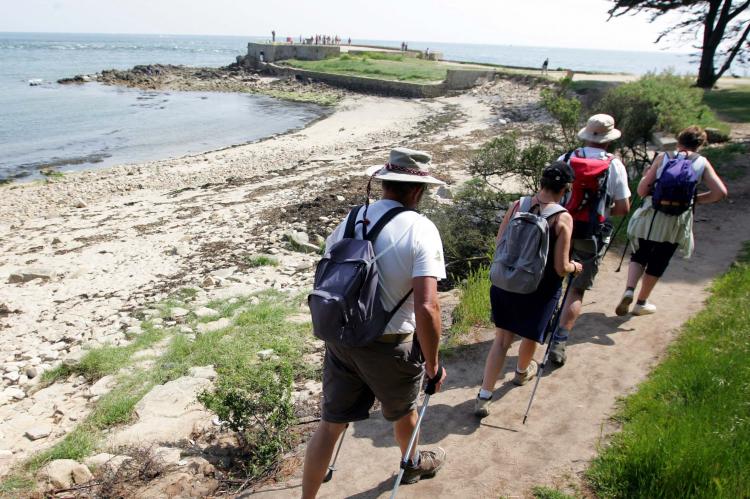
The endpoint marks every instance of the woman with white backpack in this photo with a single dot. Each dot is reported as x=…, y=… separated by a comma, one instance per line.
x=525, y=303
x=664, y=222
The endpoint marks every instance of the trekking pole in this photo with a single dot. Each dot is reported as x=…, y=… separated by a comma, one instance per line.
x=556, y=323
x=332, y=467
x=635, y=206
x=429, y=390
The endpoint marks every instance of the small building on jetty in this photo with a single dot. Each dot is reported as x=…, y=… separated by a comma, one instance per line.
x=264, y=56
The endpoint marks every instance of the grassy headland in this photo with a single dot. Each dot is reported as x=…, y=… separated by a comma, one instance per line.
x=686, y=431
x=378, y=65
x=731, y=103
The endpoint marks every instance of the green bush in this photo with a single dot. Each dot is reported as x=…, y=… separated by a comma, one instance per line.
x=255, y=401
x=467, y=226
x=566, y=110
x=654, y=103
x=505, y=158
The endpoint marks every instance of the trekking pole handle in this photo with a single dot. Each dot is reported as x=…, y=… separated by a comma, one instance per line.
x=432, y=382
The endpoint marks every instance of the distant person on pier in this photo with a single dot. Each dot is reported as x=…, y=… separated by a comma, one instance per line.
x=545, y=65
x=273, y=36
x=350, y=40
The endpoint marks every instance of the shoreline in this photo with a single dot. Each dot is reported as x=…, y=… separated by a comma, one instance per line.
x=95, y=249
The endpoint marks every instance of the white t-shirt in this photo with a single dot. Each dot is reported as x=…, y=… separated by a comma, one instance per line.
x=418, y=252
x=617, y=183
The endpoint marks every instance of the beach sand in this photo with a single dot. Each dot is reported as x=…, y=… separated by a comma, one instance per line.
x=107, y=244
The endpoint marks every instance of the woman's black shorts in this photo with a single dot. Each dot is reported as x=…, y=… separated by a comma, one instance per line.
x=653, y=256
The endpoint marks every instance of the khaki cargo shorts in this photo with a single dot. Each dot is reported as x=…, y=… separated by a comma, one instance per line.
x=354, y=377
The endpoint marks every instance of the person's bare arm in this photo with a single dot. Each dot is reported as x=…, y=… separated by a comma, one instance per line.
x=564, y=231
x=716, y=188
x=649, y=177
x=621, y=207
x=427, y=312
x=506, y=219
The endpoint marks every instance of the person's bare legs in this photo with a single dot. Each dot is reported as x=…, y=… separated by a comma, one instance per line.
x=525, y=354
x=318, y=456
x=572, y=310
x=635, y=271
x=647, y=285
x=496, y=358
x=402, y=430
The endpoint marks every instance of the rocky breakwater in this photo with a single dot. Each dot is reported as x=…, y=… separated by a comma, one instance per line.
x=231, y=78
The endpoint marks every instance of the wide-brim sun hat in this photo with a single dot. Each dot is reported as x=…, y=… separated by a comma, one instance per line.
x=405, y=165
x=599, y=129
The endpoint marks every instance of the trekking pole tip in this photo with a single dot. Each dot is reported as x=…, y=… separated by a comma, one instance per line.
x=524, y=419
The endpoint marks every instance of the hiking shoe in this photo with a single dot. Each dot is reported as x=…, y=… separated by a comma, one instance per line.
x=482, y=407
x=624, y=306
x=557, y=352
x=645, y=309
x=430, y=462
x=521, y=379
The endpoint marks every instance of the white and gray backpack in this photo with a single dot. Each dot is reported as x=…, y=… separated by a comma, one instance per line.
x=521, y=254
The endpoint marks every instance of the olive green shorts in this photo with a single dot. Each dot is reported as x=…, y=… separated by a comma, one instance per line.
x=354, y=377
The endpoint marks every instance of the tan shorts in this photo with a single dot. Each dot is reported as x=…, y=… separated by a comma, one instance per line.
x=354, y=377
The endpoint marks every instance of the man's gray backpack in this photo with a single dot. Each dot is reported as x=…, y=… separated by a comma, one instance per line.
x=345, y=302
x=521, y=255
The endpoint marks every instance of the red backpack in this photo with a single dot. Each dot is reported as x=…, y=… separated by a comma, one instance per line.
x=587, y=201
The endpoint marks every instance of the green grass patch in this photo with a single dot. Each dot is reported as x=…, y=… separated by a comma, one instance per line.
x=732, y=104
x=540, y=492
x=261, y=261
x=474, y=307
x=13, y=484
x=246, y=384
x=686, y=432
x=99, y=362
x=377, y=65
x=729, y=160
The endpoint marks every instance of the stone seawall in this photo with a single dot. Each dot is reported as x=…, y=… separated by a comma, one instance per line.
x=455, y=80
x=273, y=52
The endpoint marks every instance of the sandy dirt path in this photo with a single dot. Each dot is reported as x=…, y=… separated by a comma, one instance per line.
x=607, y=357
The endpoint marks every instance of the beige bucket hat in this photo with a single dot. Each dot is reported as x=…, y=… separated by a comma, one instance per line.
x=405, y=165
x=599, y=129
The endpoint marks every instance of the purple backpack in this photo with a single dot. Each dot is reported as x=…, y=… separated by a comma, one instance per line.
x=345, y=302
x=675, y=189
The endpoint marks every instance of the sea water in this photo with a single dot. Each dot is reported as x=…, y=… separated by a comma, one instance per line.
x=68, y=127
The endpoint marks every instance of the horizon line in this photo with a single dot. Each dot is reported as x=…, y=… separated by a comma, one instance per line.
x=655, y=51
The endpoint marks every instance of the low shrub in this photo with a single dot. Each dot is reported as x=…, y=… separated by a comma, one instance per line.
x=654, y=103
x=256, y=402
x=467, y=226
x=506, y=158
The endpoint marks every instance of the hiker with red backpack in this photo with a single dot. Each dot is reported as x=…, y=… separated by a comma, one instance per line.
x=600, y=189
x=375, y=305
x=531, y=258
x=664, y=222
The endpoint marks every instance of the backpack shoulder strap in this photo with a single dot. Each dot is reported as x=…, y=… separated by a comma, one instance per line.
x=389, y=215
x=524, y=204
x=568, y=155
x=351, y=222
x=551, y=211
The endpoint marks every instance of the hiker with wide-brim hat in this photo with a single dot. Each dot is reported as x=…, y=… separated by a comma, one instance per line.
x=591, y=208
x=655, y=233
x=392, y=367
x=528, y=314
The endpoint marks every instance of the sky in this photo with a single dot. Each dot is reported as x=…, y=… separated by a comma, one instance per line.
x=550, y=23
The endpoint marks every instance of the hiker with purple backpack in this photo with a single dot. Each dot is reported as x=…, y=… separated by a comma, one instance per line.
x=664, y=222
x=375, y=304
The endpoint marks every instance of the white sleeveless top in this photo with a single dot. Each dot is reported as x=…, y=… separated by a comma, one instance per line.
x=653, y=225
